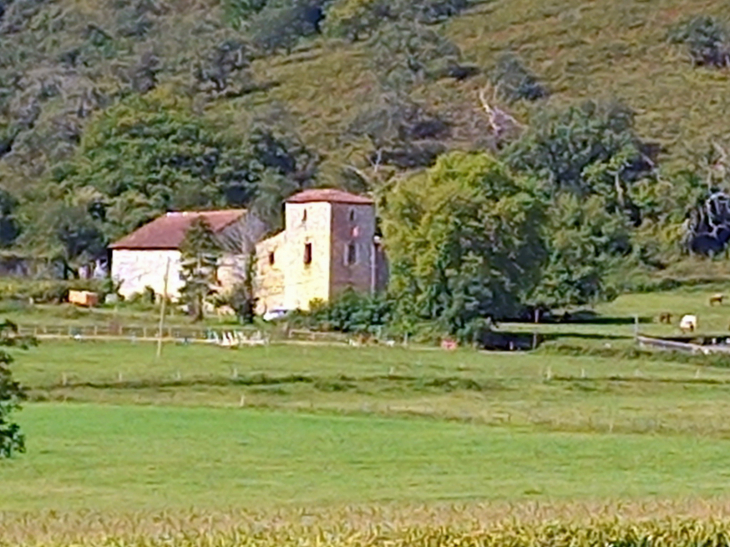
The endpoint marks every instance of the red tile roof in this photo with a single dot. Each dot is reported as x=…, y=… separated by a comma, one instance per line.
x=168, y=231
x=330, y=195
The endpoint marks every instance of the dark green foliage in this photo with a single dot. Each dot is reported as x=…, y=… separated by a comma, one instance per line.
x=239, y=12
x=402, y=133
x=11, y=393
x=464, y=242
x=584, y=243
x=587, y=150
x=281, y=25
x=200, y=251
x=358, y=19
x=151, y=154
x=9, y=227
x=406, y=53
x=707, y=40
x=351, y=312
x=432, y=11
x=226, y=62
x=514, y=82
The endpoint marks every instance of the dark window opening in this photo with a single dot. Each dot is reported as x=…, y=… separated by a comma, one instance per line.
x=304, y=216
x=351, y=254
x=307, y=253
x=352, y=215
x=272, y=259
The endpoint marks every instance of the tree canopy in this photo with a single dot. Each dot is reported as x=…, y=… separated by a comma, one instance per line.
x=464, y=242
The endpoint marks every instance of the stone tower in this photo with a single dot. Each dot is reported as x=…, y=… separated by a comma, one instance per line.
x=330, y=239
x=327, y=246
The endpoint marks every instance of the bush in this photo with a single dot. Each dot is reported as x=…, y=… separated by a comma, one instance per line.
x=351, y=313
x=515, y=82
x=281, y=28
x=48, y=291
x=706, y=38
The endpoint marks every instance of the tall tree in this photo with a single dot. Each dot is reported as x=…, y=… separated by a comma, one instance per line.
x=584, y=243
x=587, y=150
x=464, y=240
x=200, y=252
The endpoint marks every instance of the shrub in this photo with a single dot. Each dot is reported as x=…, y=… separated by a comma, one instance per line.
x=351, y=312
x=514, y=81
x=706, y=38
x=281, y=27
x=47, y=291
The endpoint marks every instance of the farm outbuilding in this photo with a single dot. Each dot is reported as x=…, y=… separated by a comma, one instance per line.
x=141, y=259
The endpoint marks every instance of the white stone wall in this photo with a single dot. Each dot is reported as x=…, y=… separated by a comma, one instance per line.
x=137, y=269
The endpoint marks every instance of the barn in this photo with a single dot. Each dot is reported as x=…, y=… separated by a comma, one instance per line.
x=141, y=259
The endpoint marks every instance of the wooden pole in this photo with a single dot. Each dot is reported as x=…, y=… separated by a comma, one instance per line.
x=162, y=310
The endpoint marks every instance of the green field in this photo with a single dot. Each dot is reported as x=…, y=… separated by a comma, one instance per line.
x=136, y=458
x=206, y=431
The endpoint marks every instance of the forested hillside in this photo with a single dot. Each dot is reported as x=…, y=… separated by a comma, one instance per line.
x=613, y=113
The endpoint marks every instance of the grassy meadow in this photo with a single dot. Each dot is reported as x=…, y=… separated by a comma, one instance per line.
x=236, y=437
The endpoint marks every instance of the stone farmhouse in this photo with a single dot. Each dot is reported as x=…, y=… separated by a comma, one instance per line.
x=327, y=246
x=142, y=258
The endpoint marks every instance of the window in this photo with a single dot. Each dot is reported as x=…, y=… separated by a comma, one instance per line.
x=304, y=216
x=307, y=253
x=352, y=215
x=351, y=257
x=272, y=259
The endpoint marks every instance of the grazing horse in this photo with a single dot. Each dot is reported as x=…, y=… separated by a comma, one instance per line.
x=665, y=318
x=688, y=323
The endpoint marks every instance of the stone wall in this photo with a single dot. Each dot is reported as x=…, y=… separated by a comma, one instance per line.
x=353, y=232
x=138, y=269
x=271, y=254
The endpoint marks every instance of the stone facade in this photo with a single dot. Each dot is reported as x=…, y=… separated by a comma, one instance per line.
x=325, y=248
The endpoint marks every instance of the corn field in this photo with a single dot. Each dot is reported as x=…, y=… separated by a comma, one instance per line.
x=467, y=526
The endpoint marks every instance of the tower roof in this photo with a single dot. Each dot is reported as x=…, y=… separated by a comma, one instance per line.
x=329, y=195
x=168, y=231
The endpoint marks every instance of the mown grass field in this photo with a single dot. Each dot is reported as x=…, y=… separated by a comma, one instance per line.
x=135, y=458
x=298, y=428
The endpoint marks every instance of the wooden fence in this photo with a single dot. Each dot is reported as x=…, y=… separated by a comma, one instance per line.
x=174, y=333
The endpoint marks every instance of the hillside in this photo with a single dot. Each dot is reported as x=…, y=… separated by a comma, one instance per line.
x=113, y=111
x=581, y=50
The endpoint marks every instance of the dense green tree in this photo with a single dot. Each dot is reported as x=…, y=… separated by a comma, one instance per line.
x=401, y=132
x=11, y=393
x=405, y=53
x=150, y=154
x=199, y=252
x=584, y=244
x=587, y=150
x=283, y=23
x=464, y=241
x=358, y=19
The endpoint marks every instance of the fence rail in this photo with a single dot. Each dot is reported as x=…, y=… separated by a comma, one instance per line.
x=178, y=333
x=683, y=347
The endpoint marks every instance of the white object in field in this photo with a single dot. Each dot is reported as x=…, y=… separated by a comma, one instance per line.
x=277, y=313
x=688, y=323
